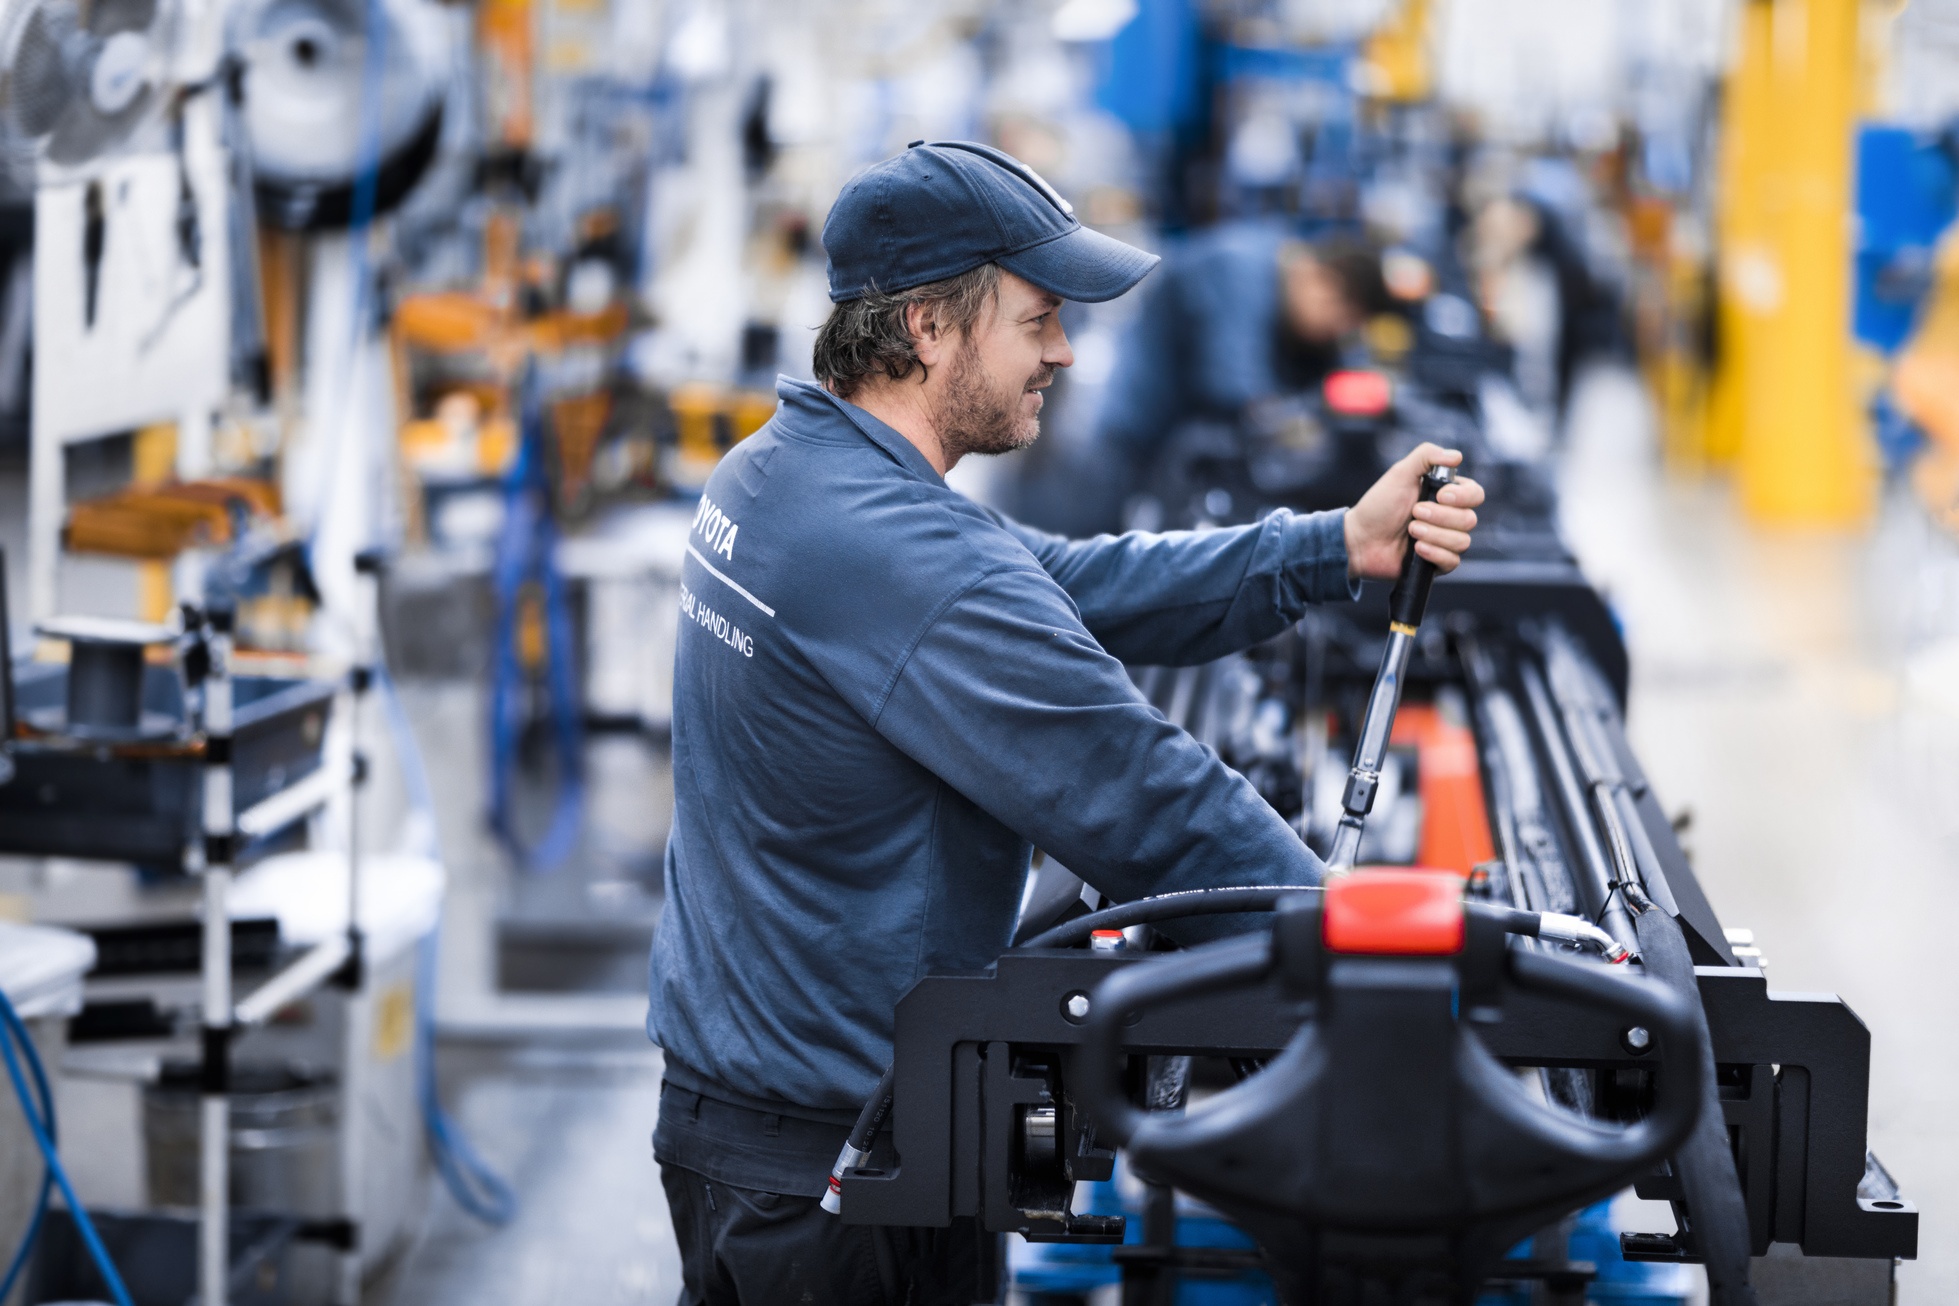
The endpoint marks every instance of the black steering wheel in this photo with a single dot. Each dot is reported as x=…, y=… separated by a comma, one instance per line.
x=1385, y=1125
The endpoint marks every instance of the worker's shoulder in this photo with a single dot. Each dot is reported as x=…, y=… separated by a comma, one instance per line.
x=828, y=526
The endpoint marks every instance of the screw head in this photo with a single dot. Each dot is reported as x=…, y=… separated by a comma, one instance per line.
x=1638, y=1040
x=1076, y=1006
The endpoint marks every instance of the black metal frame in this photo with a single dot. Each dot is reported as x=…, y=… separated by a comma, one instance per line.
x=975, y=1053
x=978, y=1055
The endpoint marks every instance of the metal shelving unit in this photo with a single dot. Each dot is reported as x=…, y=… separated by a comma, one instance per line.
x=218, y=836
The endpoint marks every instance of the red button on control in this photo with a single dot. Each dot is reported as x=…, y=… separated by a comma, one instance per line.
x=1395, y=912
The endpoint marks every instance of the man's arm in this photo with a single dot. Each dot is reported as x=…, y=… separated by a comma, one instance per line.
x=1187, y=597
x=1011, y=702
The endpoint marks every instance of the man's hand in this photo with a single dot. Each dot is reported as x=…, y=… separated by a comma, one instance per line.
x=1379, y=526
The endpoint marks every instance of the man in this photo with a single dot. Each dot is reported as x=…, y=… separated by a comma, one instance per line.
x=1241, y=315
x=884, y=693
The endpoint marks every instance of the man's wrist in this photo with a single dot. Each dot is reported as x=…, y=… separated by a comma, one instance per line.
x=1317, y=558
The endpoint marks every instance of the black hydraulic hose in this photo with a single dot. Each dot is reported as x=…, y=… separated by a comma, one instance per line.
x=1716, y=1210
x=1509, y=842
x=1600, y=877
x=1167, y=906
x=871, y=1119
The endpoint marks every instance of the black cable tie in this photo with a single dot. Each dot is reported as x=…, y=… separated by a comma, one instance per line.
x=353, y=971
x=217, y=750
x=1611, y=887
x=214, y=1072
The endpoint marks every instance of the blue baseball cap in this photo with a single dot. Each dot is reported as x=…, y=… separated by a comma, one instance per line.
x=945, y=208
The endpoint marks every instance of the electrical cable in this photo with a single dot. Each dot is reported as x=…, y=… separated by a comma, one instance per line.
x=471, y=1181
x=8, y=1023
x=367, y=174
x=15, y=1031
x=476, y=1187
x=527, y=556
x=463, y=1171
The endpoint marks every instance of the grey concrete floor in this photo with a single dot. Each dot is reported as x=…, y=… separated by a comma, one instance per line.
x=1799, y=693
x=570, y=1127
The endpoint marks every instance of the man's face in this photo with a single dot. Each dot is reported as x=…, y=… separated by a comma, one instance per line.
x=1317, y=307
x=989, y=395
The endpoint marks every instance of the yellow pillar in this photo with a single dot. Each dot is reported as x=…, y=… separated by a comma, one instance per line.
x=1398, y=52
x=1745, y=259
x=1805, y=456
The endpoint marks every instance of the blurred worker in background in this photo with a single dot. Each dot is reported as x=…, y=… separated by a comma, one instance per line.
x=1240, y=316
x=1542, y=297
x=885, y=694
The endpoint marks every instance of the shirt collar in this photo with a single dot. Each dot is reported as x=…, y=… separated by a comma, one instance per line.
x=823, y=408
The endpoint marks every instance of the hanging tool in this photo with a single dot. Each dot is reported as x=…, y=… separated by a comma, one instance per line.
x=1405, y=607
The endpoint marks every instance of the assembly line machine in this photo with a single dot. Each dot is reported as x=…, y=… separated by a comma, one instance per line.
x=1395, y=1078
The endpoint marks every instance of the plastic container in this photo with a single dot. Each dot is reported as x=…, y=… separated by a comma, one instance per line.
x=141, y=806
x=284, y=1119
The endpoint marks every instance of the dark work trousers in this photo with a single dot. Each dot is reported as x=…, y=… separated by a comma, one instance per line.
x=747, y=1244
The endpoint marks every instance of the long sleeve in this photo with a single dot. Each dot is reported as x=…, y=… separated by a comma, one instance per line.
x=1012, y=703
x=1185, y=597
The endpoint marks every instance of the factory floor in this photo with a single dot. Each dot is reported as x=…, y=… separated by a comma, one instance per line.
x=570, y=1126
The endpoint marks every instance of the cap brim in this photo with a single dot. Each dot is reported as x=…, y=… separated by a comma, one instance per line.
x=1084, y=265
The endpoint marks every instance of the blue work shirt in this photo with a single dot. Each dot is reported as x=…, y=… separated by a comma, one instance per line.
x=884, y=694
x=1208, y=340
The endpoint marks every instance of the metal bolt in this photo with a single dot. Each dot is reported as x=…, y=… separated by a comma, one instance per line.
x=1076, y=1006
x=1637, y=1039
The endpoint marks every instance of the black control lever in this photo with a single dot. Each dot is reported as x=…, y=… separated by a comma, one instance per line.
x=1405, y=608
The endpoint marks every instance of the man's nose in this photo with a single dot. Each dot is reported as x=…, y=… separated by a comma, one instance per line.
x=1058, y=352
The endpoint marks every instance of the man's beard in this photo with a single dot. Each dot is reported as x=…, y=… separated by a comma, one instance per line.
x=975, y=417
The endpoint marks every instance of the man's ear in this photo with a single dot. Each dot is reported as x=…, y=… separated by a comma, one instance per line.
x=928, y=336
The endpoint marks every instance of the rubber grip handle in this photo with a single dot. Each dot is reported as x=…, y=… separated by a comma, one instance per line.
x=1410, y=597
